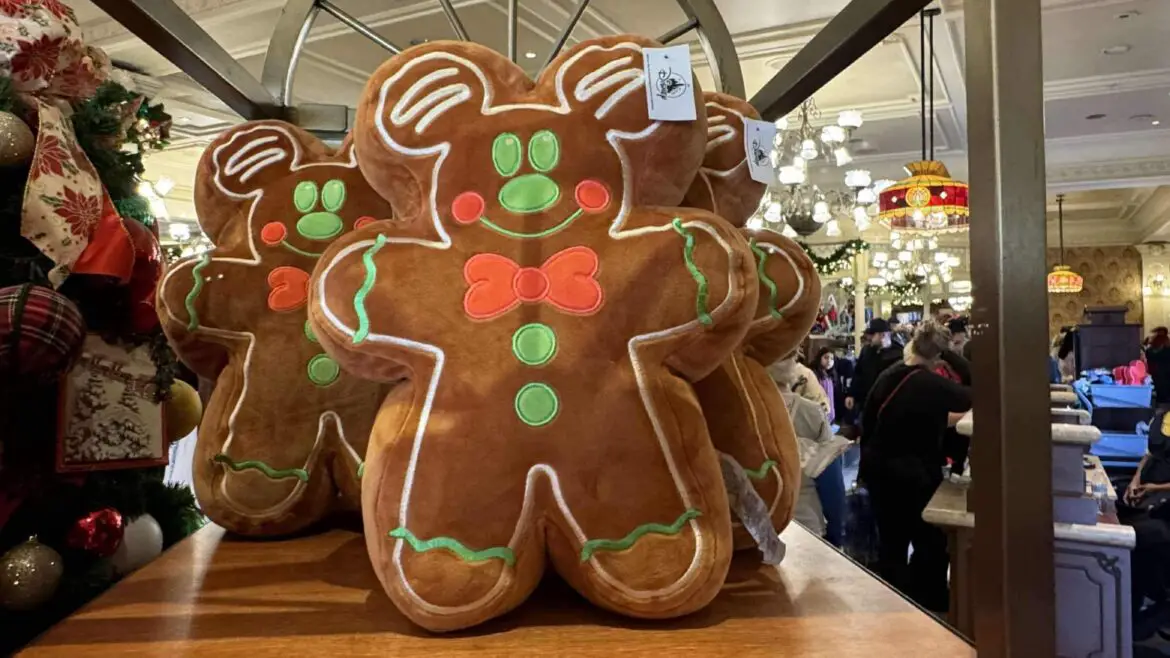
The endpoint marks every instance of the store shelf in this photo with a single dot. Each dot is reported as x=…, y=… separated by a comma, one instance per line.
x=317, y=596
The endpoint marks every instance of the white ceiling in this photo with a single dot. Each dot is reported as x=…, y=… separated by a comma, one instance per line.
x=1112, y=166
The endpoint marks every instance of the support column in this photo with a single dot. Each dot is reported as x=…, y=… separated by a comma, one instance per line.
x=1012, y=449
x=860, y=281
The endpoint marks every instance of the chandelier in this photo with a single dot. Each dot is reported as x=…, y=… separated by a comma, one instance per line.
x=1062, y=280
x=929, y=202
x=801, y=206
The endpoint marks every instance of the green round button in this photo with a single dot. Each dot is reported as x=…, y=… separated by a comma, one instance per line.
x=534, y=344
x=323, y=370
x=537, y=404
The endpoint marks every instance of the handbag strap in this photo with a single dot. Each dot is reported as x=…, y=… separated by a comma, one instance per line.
x=892, y=394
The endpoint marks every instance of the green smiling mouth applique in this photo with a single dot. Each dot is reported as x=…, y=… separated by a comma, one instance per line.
x=529, y=193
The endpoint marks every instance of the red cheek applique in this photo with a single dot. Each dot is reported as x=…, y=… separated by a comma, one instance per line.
x=592, y=196
x=273, y=233
x=467, y=207
x=363, y=222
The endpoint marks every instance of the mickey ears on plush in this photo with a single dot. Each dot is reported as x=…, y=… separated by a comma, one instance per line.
x=421, y=98
x=724, y=184
x=244, y=160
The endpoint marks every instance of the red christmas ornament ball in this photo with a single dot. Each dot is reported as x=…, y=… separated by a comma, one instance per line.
x=99, y=532
x=148, y=268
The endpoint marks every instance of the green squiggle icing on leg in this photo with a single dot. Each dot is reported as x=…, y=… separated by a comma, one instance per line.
x=773, y=293
x=762, y=471
x=269, y=472
x=688, y=256
x=189, y=302
x=359, y=298
x=361, y=470
x=455, y=546
x=593, y=545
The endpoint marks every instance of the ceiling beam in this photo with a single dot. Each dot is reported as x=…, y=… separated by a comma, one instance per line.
x=860, y=26
x=166, y=28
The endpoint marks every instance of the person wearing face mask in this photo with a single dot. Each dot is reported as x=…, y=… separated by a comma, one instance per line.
x=880, y=353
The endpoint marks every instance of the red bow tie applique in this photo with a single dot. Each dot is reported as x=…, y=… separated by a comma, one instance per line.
x=567, y=281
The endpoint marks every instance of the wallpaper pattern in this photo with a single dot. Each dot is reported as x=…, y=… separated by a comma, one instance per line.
x=1113, y=277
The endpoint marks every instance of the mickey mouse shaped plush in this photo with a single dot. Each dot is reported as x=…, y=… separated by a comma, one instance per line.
x=548, y=310
x=285, y=430
x=745, y=413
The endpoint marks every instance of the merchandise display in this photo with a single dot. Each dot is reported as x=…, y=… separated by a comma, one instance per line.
x=745, y=414
x=283, y=437
x=548, y=309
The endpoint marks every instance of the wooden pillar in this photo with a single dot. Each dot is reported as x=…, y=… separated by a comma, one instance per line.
x=1011, y=447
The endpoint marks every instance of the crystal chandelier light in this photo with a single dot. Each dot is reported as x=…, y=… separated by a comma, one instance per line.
x=802, y=207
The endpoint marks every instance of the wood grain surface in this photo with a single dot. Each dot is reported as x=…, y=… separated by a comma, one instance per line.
x=216, y=596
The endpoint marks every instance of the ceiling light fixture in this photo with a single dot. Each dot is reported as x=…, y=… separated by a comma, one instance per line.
x=1119, y=49
x=530, y=55
x=1062, y=280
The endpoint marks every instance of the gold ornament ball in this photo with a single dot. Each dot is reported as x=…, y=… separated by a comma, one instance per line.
x=16, y=140
x=183, y=410
x=29, y=576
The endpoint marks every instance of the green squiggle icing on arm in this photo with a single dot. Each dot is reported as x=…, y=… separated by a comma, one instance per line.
x=762, y=471
x=269, y=472
x=688, y=256
x=593, y=545
x=455, y=546
x=773, y=293
x=189, y=302
x=359, y=298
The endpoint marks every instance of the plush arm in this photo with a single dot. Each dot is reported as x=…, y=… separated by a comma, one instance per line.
x=790, y=293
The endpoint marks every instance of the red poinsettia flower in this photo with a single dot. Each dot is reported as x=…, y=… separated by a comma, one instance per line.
x=49, y=157
x=57, y=8
x=82, y=212
x=11, y=7
x=36, y=59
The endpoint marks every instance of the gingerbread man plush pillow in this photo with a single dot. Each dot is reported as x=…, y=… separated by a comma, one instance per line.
x=548, y=322
x=285, y=430
x=745, y=414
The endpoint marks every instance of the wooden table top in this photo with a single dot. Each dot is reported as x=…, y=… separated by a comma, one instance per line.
x=317, y=596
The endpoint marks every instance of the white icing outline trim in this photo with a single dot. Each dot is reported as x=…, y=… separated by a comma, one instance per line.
x=232, y=165
x=773, y=249
x=647, y=399
x=759, y=434
x=586, y=87
x=711, y=144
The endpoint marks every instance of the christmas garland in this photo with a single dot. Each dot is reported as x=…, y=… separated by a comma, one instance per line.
x=840, y=259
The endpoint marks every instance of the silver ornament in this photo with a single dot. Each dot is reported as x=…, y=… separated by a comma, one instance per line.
x=29, y=576
x=16, y=140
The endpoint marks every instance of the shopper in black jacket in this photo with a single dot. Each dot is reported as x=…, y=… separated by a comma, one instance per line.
x=879, y=354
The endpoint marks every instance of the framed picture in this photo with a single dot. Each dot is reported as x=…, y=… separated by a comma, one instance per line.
x=107, y=414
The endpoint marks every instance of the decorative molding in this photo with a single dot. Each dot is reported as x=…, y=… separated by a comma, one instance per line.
x=1101, y=85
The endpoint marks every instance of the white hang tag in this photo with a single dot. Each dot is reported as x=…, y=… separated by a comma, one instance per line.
x=670, y=92
x=758, y=140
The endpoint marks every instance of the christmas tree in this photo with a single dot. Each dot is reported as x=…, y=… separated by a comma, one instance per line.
x=87, y=381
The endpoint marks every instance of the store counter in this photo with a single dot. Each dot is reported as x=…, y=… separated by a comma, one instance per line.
x=318, y=596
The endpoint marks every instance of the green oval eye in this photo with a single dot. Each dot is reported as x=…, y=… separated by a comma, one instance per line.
x=333, y=195
x=305, y=195
x=544, y=151
x=506, y=153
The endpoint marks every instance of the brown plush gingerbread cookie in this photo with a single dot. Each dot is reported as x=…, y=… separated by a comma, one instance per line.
x=548, y=322
x=285, y=430
x=745, y=413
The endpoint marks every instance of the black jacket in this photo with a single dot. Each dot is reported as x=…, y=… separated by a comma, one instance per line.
x=870, y=365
